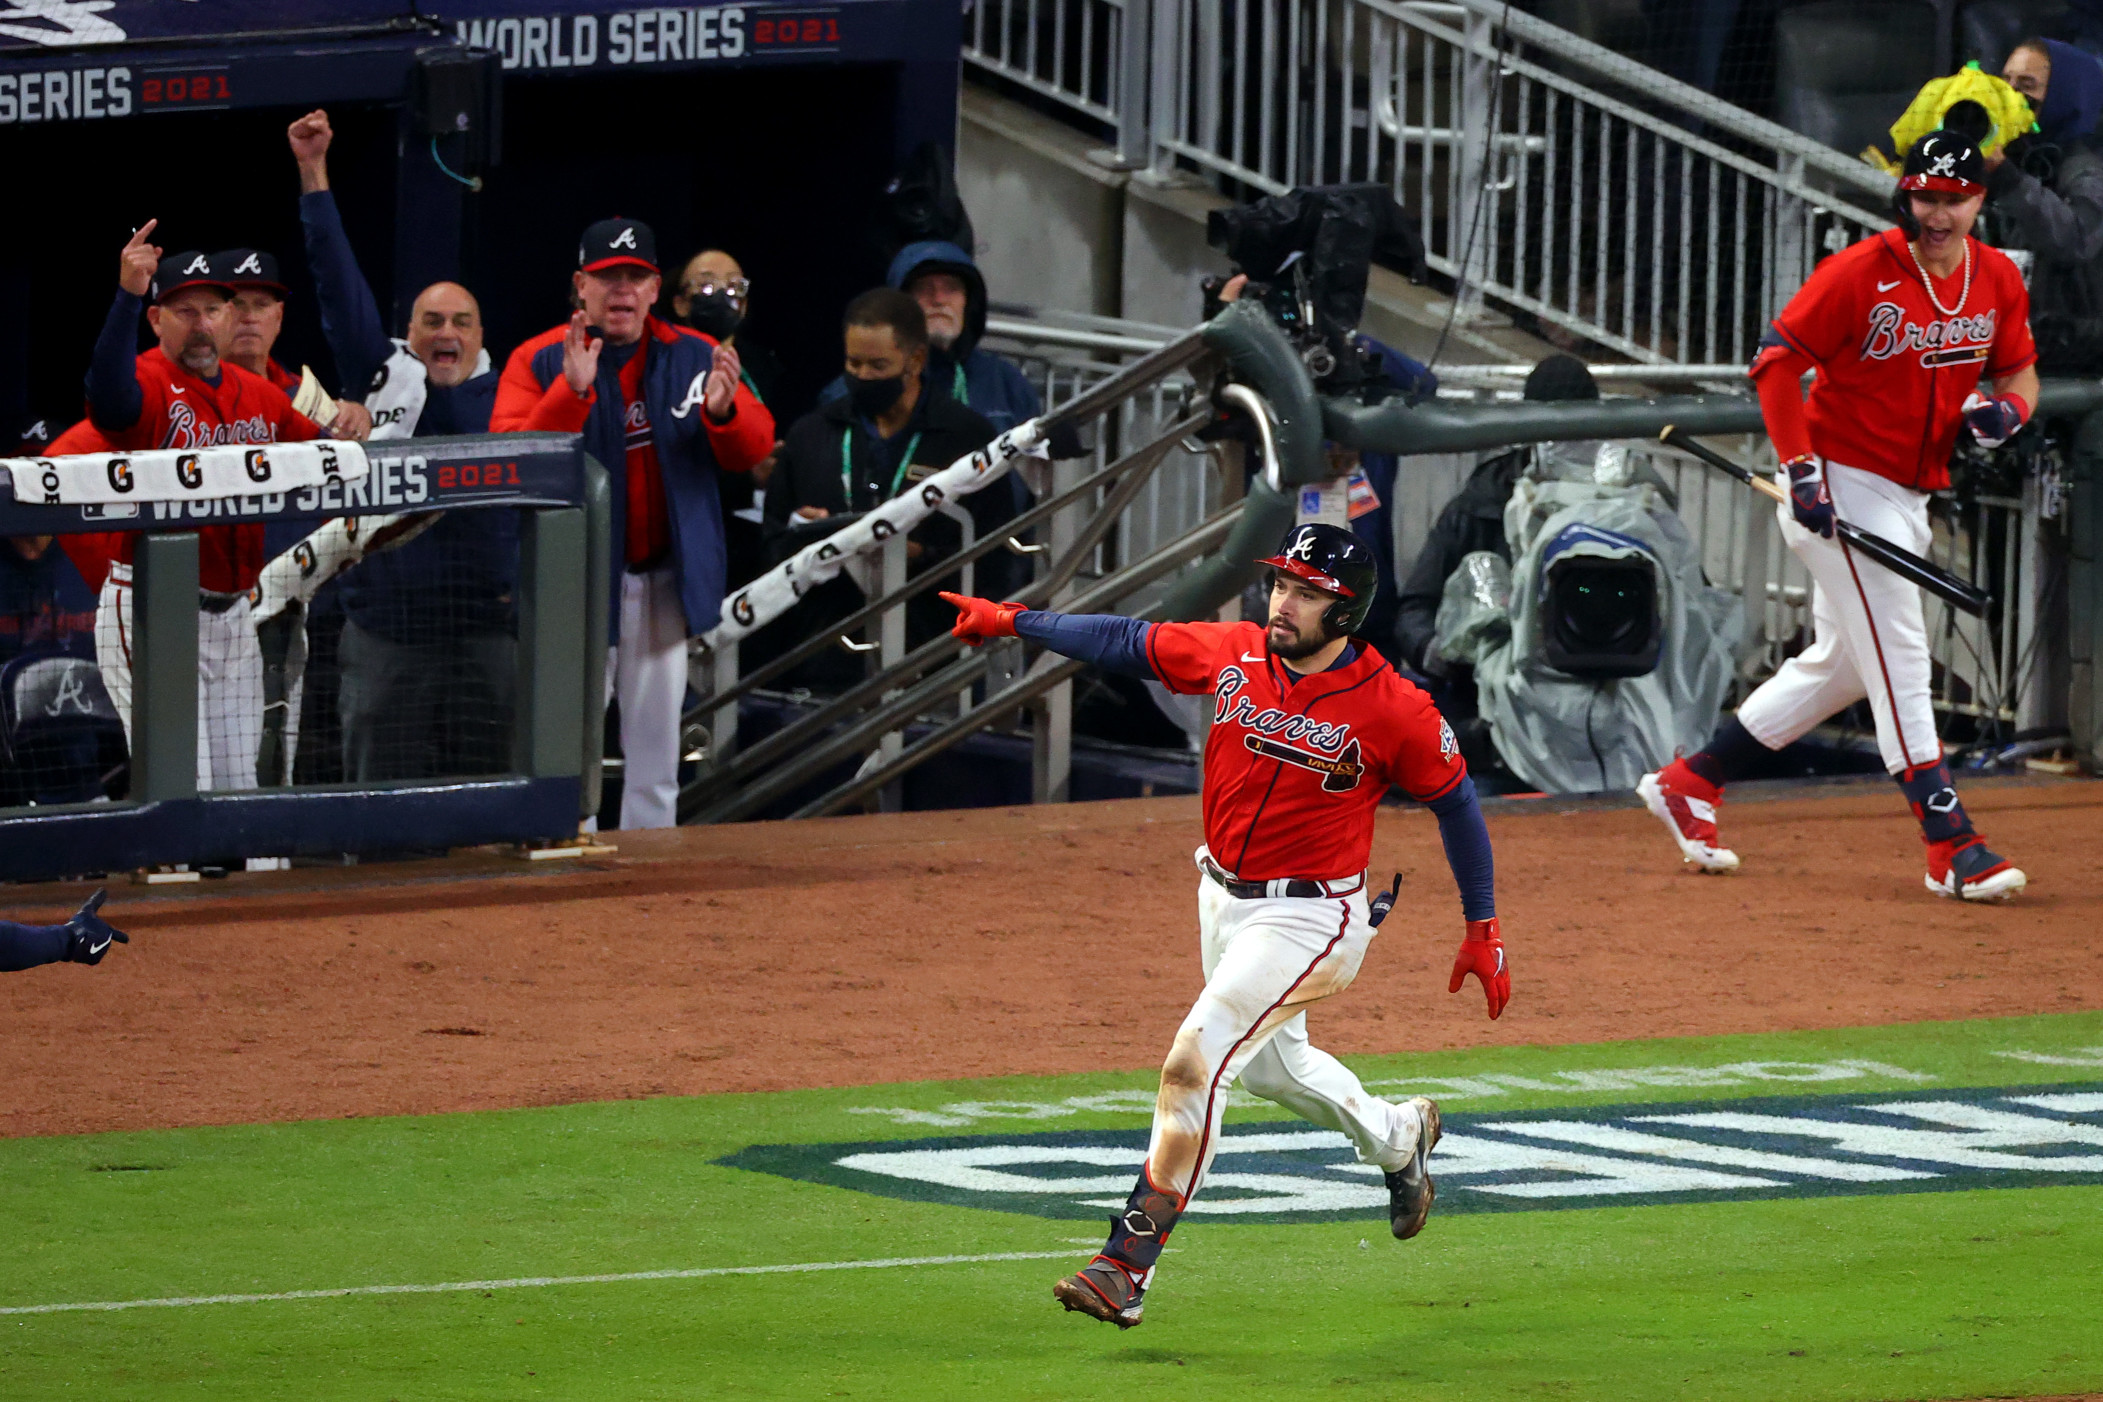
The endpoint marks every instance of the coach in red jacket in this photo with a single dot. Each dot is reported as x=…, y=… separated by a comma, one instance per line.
x=664, y=409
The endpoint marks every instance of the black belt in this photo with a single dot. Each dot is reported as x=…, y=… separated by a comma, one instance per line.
x=212, y=601
x=1292, y=888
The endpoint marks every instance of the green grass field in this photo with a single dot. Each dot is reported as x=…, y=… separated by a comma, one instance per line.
x=1749, y=1282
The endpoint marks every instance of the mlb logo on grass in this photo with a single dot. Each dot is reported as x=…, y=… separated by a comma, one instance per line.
x=1800, y=1146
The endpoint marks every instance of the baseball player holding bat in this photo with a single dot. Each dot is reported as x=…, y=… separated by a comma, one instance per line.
x=1900, y=329
x=1310, y=727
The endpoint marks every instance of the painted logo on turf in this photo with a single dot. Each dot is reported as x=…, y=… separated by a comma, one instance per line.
x=1289, y=1171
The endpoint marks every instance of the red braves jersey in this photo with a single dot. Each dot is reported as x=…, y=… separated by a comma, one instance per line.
x=1294, y=769
x=183, y=411
x=1894, y=370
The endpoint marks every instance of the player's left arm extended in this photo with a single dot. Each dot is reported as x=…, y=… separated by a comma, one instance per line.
x=1467, y=842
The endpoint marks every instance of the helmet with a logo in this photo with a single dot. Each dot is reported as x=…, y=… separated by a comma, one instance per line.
x=1334, y=561
x=1944, y=161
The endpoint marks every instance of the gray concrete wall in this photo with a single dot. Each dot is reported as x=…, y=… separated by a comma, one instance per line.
x=1049, y=221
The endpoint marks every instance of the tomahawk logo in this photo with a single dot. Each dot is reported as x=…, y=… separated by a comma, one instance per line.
x=1232, y=707
x=250, y=264
x=1339, y=775
x=624, y=239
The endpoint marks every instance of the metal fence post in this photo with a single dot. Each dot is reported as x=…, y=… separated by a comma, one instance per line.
x=598, y=596
x=1166, y=59
x=548, y=733
x=891, y=651
x=164, y=754
x=1135, y=148
x=1471, y=181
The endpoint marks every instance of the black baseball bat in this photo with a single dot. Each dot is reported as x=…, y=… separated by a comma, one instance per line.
x=1957, y=593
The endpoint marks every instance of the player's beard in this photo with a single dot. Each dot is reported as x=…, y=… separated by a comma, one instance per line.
x=1300, y=645
x=200, y=354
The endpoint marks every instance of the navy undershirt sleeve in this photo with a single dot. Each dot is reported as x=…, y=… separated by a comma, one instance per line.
x=26, y=946
x=1468, y=849
x=350, y=317
x=1112, y=643
x=115, y=400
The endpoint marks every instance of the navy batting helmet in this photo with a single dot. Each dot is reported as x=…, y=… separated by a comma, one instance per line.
x=1333, y=560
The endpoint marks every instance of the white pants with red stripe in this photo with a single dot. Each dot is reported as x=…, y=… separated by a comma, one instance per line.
x=646, y=669
x=1265, y=961
x=229, y=681
x=1868, y=635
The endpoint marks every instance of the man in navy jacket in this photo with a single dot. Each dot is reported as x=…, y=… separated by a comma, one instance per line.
x=664, y=408
x=428, y=651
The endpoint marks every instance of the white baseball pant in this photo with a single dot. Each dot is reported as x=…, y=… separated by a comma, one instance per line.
x=646, y=669
x=1266, y=960
x=1868, y=635
x=229, y=681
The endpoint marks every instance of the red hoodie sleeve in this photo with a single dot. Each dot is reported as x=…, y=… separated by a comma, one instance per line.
x=745, y=441
x=525, y=405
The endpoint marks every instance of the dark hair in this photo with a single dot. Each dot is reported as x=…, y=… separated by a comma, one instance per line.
x=887, y=306
x=2036, y=44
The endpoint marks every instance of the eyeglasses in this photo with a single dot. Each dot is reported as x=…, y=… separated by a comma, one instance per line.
x=734, y=290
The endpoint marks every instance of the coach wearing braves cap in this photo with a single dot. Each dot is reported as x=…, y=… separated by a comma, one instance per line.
x=664, y=408
x=255, y=317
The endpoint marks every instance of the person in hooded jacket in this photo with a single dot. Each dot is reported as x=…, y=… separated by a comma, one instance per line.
x=2046, y=195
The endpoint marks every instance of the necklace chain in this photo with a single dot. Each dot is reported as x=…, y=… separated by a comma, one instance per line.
x=1929, y=283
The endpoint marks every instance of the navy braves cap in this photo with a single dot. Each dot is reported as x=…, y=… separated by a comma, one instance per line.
x=610, y=243
x=1945, y=160
x=180, y=270
x=241, y=268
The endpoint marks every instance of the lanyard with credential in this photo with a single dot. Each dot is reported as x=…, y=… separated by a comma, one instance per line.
x=905, y=460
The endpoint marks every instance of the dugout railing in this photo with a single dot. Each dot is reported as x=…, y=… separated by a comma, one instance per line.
x=548, y=777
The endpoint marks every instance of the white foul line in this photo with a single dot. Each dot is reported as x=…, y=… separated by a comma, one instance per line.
x=529, y=1281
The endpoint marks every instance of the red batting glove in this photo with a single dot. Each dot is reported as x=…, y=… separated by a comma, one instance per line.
x=1482, y=954
x=980, y=619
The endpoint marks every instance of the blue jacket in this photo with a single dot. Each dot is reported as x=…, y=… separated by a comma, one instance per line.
x=534, y=396
x=459, y=576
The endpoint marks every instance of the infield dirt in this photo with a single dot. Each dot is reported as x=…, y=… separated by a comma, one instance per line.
x=995, y=941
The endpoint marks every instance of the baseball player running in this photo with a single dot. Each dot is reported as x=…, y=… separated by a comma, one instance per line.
x=1310, y=727
x=1900, y=327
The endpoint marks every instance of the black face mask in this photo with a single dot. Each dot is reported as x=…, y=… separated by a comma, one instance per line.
x=714, y=315
x=871, y=398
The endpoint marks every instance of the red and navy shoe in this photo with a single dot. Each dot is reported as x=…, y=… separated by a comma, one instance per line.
x=1686, y=804
x=1104, y=1289
x=1963, y=868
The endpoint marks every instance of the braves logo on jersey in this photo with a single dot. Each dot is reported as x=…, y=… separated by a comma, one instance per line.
x=1956, y=340
x=1232, y=707
x=184, y=431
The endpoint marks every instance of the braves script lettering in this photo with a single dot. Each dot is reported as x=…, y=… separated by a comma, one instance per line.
x=1231, y=707
x=1891, y=333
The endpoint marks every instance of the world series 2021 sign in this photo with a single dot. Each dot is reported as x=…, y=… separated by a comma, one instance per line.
x=655, y=36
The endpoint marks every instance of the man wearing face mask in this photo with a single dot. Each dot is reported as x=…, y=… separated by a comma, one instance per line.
x=714, y=298
x=857, y=451
x=666, y=411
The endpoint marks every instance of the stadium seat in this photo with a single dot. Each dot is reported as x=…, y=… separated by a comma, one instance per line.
x=56, y=724
x=1987, y=31
x=1845, y=69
